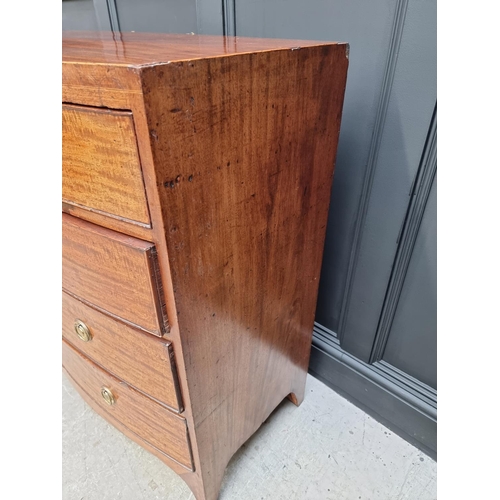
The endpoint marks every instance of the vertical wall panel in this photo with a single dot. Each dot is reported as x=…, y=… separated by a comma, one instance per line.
x=79, y=15
x=161, y=16
x=209, y=17
x=411, y=344
x=409, y=112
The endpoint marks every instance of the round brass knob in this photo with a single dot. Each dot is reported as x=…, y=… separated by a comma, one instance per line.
x=107, y=395
x=83, y=331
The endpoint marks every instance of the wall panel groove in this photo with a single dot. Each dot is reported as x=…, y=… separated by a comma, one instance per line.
x=421, y=189
x=229, y=17
x=390, y=69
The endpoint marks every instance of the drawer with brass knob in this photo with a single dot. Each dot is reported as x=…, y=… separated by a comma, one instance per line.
x=157, y=426
x=141, y=360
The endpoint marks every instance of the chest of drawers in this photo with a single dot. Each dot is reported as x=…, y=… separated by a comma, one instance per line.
x=196, y=184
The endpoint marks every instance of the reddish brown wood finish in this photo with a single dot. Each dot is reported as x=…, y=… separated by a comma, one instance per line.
x=143, y=49
x=138, y=358
x=114, y=272
x=237, y=139
x=101, y=167
x=120, y=225
x=160, y=428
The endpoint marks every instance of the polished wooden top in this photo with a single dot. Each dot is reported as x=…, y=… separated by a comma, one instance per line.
x=144, y=49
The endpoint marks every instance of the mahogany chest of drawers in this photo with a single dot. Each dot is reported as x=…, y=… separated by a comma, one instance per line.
x=196, y=184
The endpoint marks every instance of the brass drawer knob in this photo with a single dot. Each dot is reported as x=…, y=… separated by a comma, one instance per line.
x=107, y=395
x=83, y=331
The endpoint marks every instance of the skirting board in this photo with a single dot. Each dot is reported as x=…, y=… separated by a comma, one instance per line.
x=366, y=387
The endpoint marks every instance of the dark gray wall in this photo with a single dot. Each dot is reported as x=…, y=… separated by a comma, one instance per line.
x=160, y=16
x=79, y=14
x=410, y=98
x=411, y=344
x=168, y=16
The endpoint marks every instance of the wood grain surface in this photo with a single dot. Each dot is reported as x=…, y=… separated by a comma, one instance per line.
x=120, y=225
x=160, y=428
x=143, y=49
x=101, y=166
x=139, y=359
x=114, y=272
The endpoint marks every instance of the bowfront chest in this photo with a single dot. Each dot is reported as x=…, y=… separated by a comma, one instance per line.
x=196, y=182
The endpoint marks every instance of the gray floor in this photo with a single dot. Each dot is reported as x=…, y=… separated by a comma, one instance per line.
x=325, y=449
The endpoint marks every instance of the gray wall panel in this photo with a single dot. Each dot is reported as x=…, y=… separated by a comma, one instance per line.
x=411, y=344
x=79, y=15
x=410, y=108
x=160, y=16
x=367, y=28
x=209, y=17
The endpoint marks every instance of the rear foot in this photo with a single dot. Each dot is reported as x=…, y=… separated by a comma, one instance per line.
x=295, y=398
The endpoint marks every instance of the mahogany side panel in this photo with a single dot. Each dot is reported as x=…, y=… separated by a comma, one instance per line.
x=115, y=273
x=244, y=148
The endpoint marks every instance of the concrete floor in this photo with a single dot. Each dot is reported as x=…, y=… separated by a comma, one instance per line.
x=327, y=449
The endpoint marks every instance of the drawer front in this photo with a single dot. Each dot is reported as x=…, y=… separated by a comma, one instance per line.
x=101, y=167
x=139, y=359
x=157, y=426
x=116, y=273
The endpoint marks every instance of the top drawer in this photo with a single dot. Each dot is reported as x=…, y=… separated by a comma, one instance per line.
x=101, y=167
